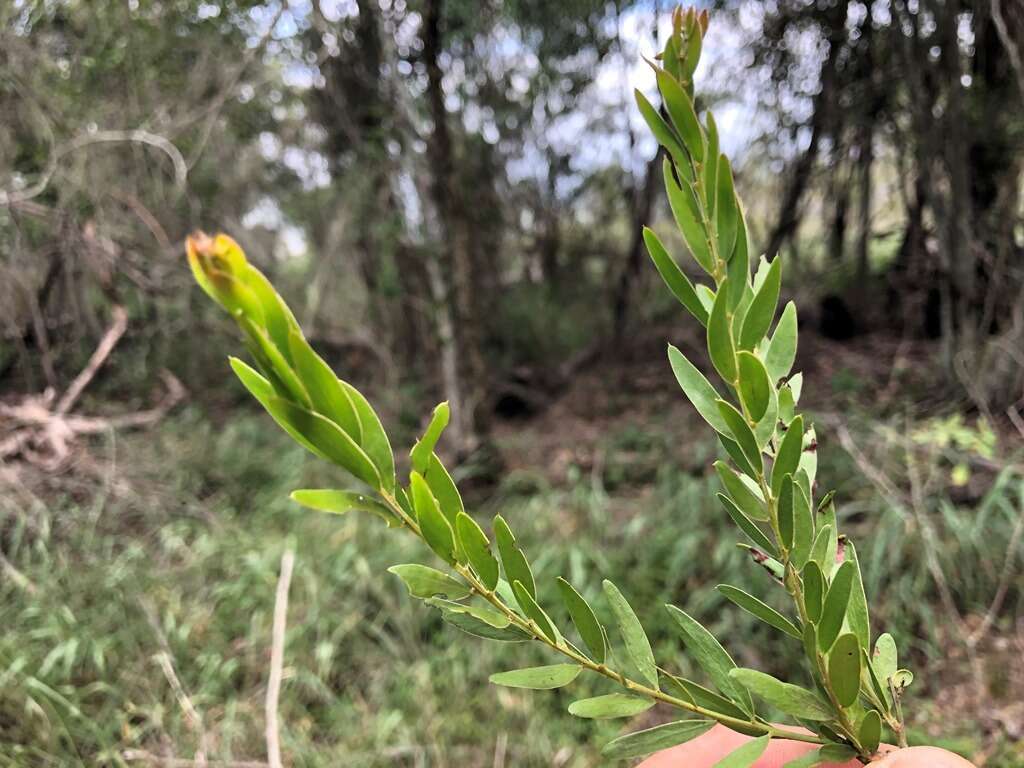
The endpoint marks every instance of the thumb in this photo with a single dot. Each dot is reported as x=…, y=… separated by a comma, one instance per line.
x=921, y=757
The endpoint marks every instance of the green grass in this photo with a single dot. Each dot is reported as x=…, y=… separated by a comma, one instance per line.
x=178, y=541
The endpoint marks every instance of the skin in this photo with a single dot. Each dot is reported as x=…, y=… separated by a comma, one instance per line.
x=708, y=749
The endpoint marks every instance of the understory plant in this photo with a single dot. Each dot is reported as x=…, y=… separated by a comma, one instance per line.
x=848, y=696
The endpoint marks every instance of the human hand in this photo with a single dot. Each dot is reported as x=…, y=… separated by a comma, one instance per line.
x=709, y=748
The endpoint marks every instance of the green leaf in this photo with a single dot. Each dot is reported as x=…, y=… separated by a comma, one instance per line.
x=642, y=743
x=329, y=398
x=638, y=647
x=697, y=389
x=434, y=526
x=674, y=277
x=785, y=511
x=534, y=611
x=762, y=309
x=741, y=433
x=744, y=496
x=517, y=567
x=814, y=590
x=477, y=628
x=661, y=130
x=449, y=500
x=485, y=613
x=686, y=212
x=782, y=347
x=869, y=733
x=375, y=440
x=727, y=212
x=326, y=436
x=881, y=691
x=830, y=753
x=275, y=365
x=585, y=621
x=610, y=705
x=788, y=698
x=339, y=502
x=477, y=548
x=746, y=755
x=421, y=452
x=720, y=345
x=738, y=270
x=748, y=526
x=761, y=610
x=737, y=455
x=885, y=659
x=803, y=525
x=680, y=110
x=834, y=610
x=711, y=169
x=711, y=657
x=700, y=696
x=424, y=582
x=538, y=678
x=787, y=458
x=857, y=611
x=755, y=388
x=844, y=669
x=824, y=548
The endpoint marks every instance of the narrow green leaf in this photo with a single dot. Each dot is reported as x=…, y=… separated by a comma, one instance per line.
x=741, y=433
x=424, y=582
x=328, y=397
x=761, y=610
x=755, y=388
x=700, y=696
x=339, y=502
x=857, y=611
x=803, y=525
x=421, y=452
x=870, y=731
x=674, y=277
x=610, y=705
x=697, y=389
x=477, y=548
x=434, y=526
x=834, y=610
x=787, y=458
x=782, y=347
x=327, y=437
x=788, y=698
x=743, y=495
x=517, y=567
x=661, y=130
x=449, y=500
x=823, y=549
x=720, y=344
x=814, y=590
x=762, y=309
x=749, y=527
x=727, y=212
x=642, y=743
x=482, y=612
x=868, y=672
x=710, y=176
x=785, y=511
x=736, y=454
x=275, y=365
x=585, y=621
x=830, y=753
x=638, y=647
x=712, y=658
x=534, y=611
x=844, y=669
x=746, y=755
x=538, y=678
x=477, y=628
x=686, y=212
x=885, y=659
x=738, y=270
x=375, y=440
x=680, y=110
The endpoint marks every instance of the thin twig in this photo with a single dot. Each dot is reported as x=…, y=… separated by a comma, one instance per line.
x=277, y=659
x=99, y=356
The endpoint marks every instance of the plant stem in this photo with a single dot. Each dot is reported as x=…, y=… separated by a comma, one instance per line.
x=629, y=684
